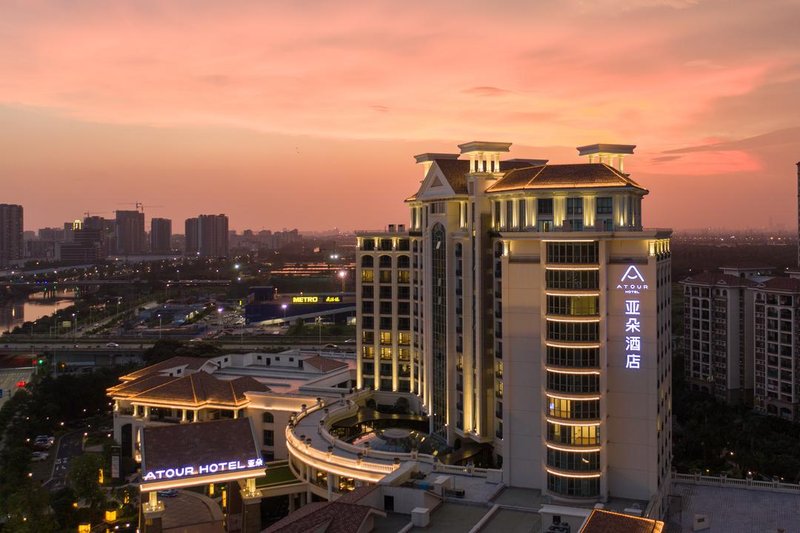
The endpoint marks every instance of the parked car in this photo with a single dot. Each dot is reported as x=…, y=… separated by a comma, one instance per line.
x=112, y=345
x=39, y=456
x=169, y=493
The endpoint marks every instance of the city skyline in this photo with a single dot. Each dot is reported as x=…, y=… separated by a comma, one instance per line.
x=228, y=109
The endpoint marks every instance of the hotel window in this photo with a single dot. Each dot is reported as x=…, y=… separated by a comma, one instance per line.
x=368, y=244
x=368, y=306
x=404, y=338
x=403, y=261
x=367, y=261
x=573, y=383
x=269, y=437
x=496, y=214
x=573, y=305
x=573, y=435
x=571, y=486
x=574, y=206
x=386, y=337
x=367, y=276
x=385, y=261
x=572, y=331
x=385, y=276
x=509, y=214
x=572, y=252
x=404, y=354
x=267, y=418
x=386, y=352
x=368, y=337
x=544, y=206
x=605, y=205
x=368, y=352
x=403, y=276
x=575, y=461
x=368, y=291
x=522, y=215
x=386, y=245
x=572, y=279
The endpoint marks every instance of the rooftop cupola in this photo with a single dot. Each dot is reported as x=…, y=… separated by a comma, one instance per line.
x=607, y=153
x=484, y=156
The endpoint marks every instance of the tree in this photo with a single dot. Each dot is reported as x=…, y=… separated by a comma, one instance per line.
x=28, y=510
x=83, y=478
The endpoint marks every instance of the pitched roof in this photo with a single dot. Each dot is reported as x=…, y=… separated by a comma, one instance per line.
x=781, y=284
x=602, y=521
x=195, y=389
x=718, y=278
x=571, y=176
x=198, y=443
x=330, y=517
x=324, y=364
x=189, y=363
x=455, y=172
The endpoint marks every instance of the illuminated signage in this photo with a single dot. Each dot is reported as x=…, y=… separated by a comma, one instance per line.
x=202, y=470
x=632, y=283
x=628, y=281
x=316, y=299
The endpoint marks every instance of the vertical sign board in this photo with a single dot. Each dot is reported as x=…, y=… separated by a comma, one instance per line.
x=632, y=284
x=115, y=459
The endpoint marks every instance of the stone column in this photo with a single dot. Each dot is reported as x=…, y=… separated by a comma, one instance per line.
x=251, y=507
x=153, y=512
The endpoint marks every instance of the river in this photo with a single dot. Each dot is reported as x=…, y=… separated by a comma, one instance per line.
x=15, y=312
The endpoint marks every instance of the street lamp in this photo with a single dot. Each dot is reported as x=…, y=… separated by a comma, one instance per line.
x=74, y=326
x=343, y=277
x=318, y=320
x=159, y=325
x=284, y=306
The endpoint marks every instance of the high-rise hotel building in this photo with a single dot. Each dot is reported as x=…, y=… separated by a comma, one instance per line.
x=529, y=310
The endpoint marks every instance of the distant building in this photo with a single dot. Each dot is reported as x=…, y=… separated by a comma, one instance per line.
x=11, y=248
x=718, y=335
x=213, y=235
x=192, y=236
x=130, y=233
x=160, y=235
x=777, y=347
x=107, y=233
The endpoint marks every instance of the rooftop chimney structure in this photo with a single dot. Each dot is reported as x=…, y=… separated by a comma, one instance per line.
x=607, y=153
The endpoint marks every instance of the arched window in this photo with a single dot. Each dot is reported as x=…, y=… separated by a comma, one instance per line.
x=403, y=261
x=367, y=261
x=385, y=261
x=267, y=418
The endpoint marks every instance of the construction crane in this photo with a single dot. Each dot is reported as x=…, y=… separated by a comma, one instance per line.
x=140, y=206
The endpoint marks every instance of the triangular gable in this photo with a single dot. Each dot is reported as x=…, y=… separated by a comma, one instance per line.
x=435, y=185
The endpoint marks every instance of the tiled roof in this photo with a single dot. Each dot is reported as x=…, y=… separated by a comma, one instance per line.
x=198, y=443
x=781, y=284
x=195, y=389
x=455, y=172
x=570, y=176
x=717, y=278
x=189, y=363
x=132, y=388
x=331, y=517
x=324, y=364
x=601, y=521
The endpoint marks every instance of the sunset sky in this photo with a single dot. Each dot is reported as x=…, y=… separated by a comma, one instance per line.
x=306, y=113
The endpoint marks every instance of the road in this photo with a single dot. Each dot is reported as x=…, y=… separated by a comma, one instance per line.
x=69, y=447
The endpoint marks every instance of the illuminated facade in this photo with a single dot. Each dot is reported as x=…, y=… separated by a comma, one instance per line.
x=537, y=311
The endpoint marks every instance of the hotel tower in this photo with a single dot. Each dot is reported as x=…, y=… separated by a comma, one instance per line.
x=529, y=310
